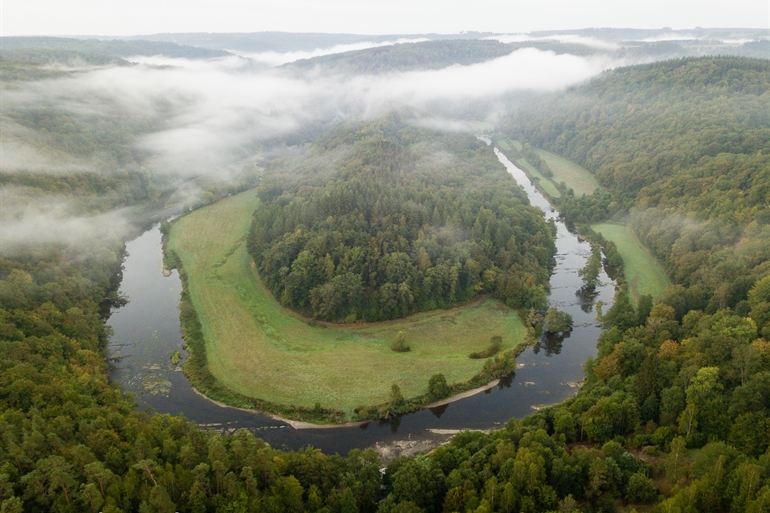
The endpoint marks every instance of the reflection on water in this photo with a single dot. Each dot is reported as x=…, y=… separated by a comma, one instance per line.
x=550, y=343
x=146, y=333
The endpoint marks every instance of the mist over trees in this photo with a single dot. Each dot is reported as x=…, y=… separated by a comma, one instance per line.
x=674, y=413
x=408, y=220
x=682, y=151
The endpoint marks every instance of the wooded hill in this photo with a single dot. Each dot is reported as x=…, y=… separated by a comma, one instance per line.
x=406, y=220
x=114, y=47
x=682, y=151
x=91, y=158
x=427, y=55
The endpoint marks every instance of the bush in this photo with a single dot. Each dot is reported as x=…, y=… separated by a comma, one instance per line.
x=494, y=347
x=437, y=387
x=556, y=321
x=399, y=345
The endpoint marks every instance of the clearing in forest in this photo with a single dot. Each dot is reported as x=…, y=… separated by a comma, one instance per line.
x=643, y=273
x=259, y=349
x=574, y=176
x=511, y=148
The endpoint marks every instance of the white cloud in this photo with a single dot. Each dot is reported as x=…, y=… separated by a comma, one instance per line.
x=35, y=219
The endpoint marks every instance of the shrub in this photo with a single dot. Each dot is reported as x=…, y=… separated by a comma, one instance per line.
x=494, y=347
x=556, y=321
x=437, y=387
x=399, y=345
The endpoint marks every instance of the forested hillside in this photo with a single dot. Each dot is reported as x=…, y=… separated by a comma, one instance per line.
x=682, y=151
x=117, y=47
x=408, y=220
x=409, y=56
x=88, y=158
x=428, y=55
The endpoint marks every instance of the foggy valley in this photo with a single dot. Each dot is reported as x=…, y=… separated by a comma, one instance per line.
x=405, y=272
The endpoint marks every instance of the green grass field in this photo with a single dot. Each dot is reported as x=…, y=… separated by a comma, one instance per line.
x=512, y=149
x=576, y=177
x=503, y=145
x=643, y=272
x=546, y=184
x=259, y=349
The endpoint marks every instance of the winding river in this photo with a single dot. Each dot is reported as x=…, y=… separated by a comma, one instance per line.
x=147, y=333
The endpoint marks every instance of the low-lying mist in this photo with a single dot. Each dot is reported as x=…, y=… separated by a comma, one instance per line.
x=30, y=219
x=212, y=117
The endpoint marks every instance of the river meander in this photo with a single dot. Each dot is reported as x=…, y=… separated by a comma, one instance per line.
x=147, y=332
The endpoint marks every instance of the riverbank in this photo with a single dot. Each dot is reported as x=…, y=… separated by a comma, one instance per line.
x=642, y=271
x=252, y=351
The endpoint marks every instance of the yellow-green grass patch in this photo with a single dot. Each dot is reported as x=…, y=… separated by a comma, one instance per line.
x=512, y=149
x=259, y=349
x=643, y=273
x=574, y=176
x=503, y=145
x=481, y=126
x=547, y=185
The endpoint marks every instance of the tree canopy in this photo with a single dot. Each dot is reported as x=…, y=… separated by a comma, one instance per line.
x=407, y=220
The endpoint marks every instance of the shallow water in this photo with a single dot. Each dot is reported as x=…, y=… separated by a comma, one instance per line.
x=147, y=332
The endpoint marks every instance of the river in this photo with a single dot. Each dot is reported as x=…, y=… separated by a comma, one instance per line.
x=147, y=332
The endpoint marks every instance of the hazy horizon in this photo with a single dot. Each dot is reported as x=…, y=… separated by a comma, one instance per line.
x=142, y=17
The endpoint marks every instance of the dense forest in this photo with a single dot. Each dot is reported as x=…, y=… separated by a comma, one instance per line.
x=658, y=390
x=682, y=151
x=408, y=220
x=674, y=412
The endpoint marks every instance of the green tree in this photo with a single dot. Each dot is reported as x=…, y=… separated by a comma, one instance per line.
x=675, y=460
x=640, y=488
x=348, y=502
x=396, y=397
x=590, y=272
x=556, y=321
x=400, y=344
x=437, y=387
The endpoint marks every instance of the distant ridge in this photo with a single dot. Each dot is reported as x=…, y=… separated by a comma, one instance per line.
x=290, y=41
x=115, y=47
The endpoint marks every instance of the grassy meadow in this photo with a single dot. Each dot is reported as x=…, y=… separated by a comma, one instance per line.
x=574, y=176
x=511, y=149
x=259, y=349
x=643, y=273
x=545, y=183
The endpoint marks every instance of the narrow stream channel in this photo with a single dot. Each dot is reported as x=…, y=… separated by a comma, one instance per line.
x=147, y=332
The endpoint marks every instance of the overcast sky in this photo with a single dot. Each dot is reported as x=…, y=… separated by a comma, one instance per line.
x=131, y=17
